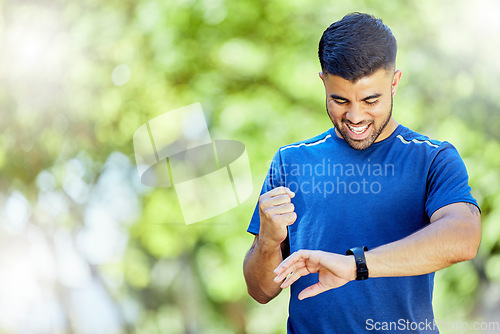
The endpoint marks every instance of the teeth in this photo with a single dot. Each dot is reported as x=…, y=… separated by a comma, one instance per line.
x=358, y=129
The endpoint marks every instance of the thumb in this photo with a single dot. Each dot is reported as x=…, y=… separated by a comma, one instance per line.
x=312, y=291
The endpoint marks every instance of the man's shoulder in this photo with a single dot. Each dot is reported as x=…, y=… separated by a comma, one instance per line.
x=414, y=139
x=309, y=143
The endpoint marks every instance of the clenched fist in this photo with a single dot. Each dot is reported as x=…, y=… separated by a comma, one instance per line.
x=276, y=213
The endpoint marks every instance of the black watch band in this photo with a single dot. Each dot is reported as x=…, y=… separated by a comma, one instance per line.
x=359, y=257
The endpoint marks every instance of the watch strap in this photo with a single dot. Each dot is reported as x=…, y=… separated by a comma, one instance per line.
x=359, y=257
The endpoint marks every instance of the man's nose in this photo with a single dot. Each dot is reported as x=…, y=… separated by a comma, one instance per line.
x=354, y=113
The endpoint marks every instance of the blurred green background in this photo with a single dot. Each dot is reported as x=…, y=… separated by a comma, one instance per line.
x=85, y=248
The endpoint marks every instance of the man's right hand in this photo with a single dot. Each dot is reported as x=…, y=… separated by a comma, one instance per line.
x=276, y=213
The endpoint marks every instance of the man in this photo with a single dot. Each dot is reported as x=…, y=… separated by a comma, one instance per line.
x=367, y=182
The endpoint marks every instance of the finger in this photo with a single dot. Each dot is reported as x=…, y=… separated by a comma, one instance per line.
x=284, y=220
x=296, y=274
x=285, y=267
x=267, y=202
x=312, y=291
x=279, y=209
x=289, y=218
x=280, y=191
x=281, y=275
x=285, y=264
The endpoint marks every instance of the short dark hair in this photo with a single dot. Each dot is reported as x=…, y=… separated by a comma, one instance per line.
x=357, y=46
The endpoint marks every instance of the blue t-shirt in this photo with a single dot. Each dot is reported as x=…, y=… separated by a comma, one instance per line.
x=346, y=198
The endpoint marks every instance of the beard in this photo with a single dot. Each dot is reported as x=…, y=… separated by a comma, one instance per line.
x=362, y=144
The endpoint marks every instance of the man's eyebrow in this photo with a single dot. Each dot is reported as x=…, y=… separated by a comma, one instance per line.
x=337, y=97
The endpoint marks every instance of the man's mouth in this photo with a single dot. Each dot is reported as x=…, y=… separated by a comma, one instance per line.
x=358, y=130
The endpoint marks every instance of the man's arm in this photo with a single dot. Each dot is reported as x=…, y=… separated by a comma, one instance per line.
x=258, y=267
x=270, y=246
x=452, y=236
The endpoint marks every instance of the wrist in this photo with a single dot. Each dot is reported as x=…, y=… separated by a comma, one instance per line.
x=268, y=247
x=352, y=267
x=358, y=254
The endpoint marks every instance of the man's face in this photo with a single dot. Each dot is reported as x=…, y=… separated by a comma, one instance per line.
x=362, y=112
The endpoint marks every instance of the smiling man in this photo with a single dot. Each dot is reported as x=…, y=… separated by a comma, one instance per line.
x=368, y=210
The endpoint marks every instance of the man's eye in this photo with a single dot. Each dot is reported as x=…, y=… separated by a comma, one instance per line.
x=371, y=101
x=341, y=102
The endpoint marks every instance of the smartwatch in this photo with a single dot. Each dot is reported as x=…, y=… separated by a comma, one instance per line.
x=359, y=257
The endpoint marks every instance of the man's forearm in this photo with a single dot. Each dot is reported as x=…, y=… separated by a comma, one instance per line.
x=453, y=235
x=258, y=267
x=448, y=240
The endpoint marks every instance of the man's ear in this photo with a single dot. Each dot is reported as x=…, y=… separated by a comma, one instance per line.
x=322, y=77
x=395, y=81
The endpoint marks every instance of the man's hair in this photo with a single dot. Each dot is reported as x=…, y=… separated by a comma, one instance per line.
x=357, y=46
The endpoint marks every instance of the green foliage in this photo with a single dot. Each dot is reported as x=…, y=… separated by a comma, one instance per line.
x=78, y=78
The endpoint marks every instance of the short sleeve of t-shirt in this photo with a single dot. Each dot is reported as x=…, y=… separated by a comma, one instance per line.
x=447, y=181
x=274, y=179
